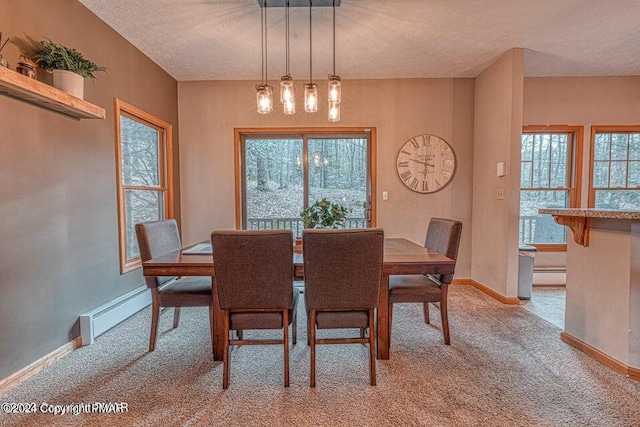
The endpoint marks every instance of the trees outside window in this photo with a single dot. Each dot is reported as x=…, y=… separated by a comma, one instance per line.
x=281, y=173
x=143, y=155
x=615, y=167
x=549, y=155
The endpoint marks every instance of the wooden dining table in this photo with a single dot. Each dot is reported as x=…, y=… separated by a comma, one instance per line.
x=401, y=256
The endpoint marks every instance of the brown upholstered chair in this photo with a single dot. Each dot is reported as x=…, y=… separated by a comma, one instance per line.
x=254, y=280
x=342, y=272
x=159, y=238
x=443, y=236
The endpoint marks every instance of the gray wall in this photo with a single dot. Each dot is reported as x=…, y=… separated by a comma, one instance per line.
x=59, y=252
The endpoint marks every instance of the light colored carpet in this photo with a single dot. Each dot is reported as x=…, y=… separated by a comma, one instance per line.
x=505, y=367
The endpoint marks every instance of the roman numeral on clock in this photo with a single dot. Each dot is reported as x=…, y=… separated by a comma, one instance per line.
x=405, y=175
x=403, y=164
x=414, y=184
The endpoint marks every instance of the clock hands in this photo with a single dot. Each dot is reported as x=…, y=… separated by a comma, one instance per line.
x=424, y=172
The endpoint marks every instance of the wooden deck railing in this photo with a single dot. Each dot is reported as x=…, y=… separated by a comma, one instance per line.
x=294, y=224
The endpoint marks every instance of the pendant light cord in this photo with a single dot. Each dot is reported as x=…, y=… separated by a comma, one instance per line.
x=262, y=9
x=310, y=44
x=334, y=37
x=287, y=38
x=266, y=44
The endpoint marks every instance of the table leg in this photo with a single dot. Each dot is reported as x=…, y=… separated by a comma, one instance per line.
x=383, y=319
x=218, y=324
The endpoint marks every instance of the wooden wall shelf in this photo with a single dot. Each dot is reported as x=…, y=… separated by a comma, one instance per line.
x=15, y=84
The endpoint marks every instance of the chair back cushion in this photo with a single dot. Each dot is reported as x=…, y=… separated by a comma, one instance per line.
x=443, y=236
x=157, y=238
x=253, y=269
x=342, y=268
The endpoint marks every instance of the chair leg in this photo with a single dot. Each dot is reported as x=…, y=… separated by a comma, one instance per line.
x=425, y=309
x=444, y=314
x=294, y=328
x=312, y=339
x=390, y=322
x=285, y=328
x=362, y=332
x=211, y=324
x=176, y=317
x=239, y=334
x=155, y=314
x=225, y=355
x=372, y=348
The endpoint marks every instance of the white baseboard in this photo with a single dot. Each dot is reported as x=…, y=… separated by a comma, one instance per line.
x=105, y=317
x=549, y=278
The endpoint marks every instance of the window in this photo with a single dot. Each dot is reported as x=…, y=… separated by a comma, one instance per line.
x=549, y=157
x=279, y=173
x=615, y=169
x=143, y=156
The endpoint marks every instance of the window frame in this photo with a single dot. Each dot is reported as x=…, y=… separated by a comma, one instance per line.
x=165, y=173
x=299, y=132
x=574, y=170
x=605, y=129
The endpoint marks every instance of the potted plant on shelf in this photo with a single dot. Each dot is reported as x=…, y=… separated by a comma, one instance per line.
x=69, y=67
x=324, y=214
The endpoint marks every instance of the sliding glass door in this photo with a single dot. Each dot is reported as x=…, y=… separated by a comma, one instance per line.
x=283, y=173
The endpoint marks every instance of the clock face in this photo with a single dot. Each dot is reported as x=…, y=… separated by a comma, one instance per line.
x=426, y=163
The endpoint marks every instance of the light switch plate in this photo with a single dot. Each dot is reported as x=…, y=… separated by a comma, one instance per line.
x=385, y=195
x=501, y=169
x=500, y=194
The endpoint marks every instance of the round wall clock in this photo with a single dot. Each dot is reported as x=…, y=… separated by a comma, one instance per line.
x=426, y=163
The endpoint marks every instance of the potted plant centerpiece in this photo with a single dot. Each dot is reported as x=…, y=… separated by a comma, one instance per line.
x=324, y=214
x=69, y=67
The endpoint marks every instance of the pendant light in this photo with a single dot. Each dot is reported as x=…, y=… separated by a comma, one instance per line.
x=335, y=82
x=310, y=89
x=264, y=95
x=287, y=91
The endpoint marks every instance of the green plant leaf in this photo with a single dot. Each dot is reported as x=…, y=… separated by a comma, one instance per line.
x=324, y=214
x=53, y=56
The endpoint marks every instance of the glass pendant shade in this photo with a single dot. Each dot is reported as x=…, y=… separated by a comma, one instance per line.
x=334, y=111
x=290, y=106
x=335, y=89
x=286, y=89
x=264, y=99
x=310, y=97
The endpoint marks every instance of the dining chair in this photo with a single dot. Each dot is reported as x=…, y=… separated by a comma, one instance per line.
x=342, y=273
x=254, y=281
x=159, y=238
x=443, y=237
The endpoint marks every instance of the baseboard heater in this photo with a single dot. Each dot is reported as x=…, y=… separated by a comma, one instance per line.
x=549, y=269
x=101, y=319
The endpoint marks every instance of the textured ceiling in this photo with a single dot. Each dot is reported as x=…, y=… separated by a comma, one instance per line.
x=220, y=39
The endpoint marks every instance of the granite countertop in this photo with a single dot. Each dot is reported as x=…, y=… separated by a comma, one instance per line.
x=591, y=213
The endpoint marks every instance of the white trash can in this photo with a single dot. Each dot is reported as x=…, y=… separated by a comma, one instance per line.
x=526, y=256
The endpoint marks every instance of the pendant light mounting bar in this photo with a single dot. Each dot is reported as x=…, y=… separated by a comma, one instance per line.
x=299, y=3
